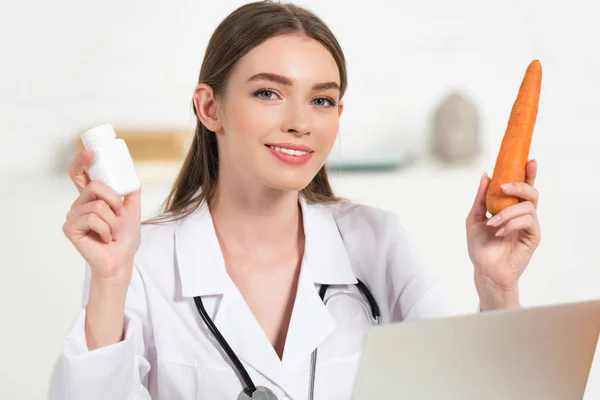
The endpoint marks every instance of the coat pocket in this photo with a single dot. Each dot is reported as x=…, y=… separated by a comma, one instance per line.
x=178, y=381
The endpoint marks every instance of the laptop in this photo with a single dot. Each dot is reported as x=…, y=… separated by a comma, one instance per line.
x=522, y=354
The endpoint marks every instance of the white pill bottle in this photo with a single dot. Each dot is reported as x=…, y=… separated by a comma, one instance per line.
x=111, y=163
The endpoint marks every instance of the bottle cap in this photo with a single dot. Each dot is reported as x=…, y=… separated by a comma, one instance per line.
x=99, y=133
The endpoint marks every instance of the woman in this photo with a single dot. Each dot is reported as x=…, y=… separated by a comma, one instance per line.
x=251, y=233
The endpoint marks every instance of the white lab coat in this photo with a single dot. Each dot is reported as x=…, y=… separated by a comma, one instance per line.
x=168, y=353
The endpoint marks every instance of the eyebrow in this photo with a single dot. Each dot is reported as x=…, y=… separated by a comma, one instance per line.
x=288, y=82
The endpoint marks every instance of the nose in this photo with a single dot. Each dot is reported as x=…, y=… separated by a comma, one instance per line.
x=297, y=121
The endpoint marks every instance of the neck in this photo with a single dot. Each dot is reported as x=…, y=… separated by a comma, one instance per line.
x=256, y=219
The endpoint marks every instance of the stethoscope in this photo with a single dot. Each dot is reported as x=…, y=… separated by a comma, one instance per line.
x=253, y=392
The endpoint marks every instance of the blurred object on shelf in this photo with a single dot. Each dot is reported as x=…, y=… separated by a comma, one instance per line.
x=381, y=164
x=456, y=132
x=152, y=144
x=379, y=149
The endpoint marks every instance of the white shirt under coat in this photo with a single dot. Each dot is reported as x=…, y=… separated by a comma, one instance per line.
x=168, y=353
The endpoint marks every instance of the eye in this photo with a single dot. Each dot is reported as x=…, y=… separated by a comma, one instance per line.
x=266, y=94
x=324, y=102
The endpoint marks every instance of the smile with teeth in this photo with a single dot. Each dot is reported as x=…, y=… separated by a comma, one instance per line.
x=289, y=151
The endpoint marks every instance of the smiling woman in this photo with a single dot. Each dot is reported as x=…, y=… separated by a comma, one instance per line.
x=275, y=106
x=226, y=293
x=258, y=68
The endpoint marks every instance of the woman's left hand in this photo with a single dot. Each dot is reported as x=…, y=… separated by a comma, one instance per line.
x=502, y=246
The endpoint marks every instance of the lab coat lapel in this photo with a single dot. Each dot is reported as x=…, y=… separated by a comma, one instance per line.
x=246, y=337
x=202, y=273
x=310, y=324
x=325, y=262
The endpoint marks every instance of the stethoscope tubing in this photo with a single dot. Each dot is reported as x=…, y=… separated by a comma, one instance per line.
x=250, y=387
x=375, y=319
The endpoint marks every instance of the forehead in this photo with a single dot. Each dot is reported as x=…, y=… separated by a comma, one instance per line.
x=300, y=58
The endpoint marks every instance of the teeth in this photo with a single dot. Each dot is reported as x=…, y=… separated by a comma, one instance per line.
x=289, y=151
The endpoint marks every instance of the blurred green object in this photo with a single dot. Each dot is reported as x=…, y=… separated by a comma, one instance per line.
x=383, y=166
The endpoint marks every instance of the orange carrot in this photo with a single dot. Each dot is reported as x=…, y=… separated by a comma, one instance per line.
x=514, y=150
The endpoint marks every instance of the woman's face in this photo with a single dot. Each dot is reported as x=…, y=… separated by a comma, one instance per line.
x=279, y=115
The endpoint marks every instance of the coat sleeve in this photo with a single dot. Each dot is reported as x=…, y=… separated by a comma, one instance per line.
x=414, y=292
x=118, y=371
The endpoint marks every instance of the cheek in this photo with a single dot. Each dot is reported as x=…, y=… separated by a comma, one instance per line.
x=245, y=120
x=327, y=130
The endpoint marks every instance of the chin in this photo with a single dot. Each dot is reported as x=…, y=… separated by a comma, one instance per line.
x=288, y=180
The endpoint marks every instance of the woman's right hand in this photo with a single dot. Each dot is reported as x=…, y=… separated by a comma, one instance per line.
x=104, y=228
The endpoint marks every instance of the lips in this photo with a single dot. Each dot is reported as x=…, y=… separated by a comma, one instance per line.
x=290, y=153
x=291, y=146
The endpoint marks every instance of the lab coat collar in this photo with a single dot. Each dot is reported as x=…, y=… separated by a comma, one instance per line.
x=198, y=255
x=324, y=251
x=202, y=268
x=203, y=273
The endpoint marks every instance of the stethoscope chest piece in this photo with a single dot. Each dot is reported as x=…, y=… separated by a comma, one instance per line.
x=261, y=393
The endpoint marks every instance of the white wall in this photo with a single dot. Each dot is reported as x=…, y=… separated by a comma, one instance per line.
x=66, y=65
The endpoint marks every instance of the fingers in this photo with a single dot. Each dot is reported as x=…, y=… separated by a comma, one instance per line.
x=528, y=223
x=98, y=190
x=101, y=209
x=530, y=172
x=132, y=203
x=89, y=222
x=512, y=212
x=479, y=210
x=521, y=216
x=525, y=190
x=77, y=170
x=522, y=190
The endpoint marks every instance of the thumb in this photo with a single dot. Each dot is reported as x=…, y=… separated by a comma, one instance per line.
x=479, y=209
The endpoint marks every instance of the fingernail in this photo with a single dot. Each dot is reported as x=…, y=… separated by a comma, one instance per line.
x=121, y=211
x=494, y=220
x=501, y=232
x=508, y=186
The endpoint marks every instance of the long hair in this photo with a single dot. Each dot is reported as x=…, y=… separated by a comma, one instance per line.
x=241, y=31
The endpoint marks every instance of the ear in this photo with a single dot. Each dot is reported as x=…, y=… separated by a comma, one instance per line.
x=340, y=108
x=207, y=107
